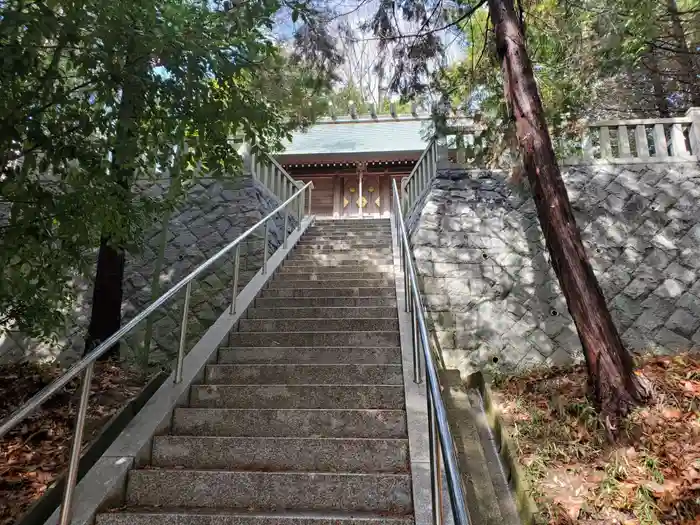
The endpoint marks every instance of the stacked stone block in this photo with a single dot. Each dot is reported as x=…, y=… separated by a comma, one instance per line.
x=489, y=286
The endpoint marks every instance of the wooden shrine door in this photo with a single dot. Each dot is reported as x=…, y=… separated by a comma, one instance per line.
x=362, y=196
x=372, y=199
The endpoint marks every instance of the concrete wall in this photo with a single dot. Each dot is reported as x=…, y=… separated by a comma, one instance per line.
x=214, y=214
x=489, y=286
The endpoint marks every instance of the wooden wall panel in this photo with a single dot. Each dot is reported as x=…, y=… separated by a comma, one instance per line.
x=321, y=196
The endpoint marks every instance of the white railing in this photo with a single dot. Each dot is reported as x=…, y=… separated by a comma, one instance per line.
x=650, y=139
x=421, y=176
x=270, y=174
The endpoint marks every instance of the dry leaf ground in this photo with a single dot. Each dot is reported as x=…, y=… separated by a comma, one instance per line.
x=36, y=452
x=651, y=475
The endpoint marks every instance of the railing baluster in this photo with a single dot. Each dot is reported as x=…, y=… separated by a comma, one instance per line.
x=623, y=142
x=183, y=334
x=641, y=141
x=587, y=144
x=660, y=144
x=605, y=146
x=678, y=147
x=65, y=516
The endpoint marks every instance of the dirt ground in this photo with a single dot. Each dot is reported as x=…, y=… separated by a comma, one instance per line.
x=650, y=475
x=37, y=451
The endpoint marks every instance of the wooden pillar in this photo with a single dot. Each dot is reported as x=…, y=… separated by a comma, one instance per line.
x=359, y=188
x=337, y=204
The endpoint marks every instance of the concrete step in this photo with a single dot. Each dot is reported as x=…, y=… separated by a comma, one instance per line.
x=339, y=245
x=332, y=277
x=352, y=257
x=326, y=302
x=369, y=249
x=297, y=396
x=339, y=233
x=349, y=228
x=307, y=325
x=348, y=236
x=364, y=221
x=275, y=454
x=322, y=313
x=306, y=374
x=328, y=423
x=353, y=225
x=330, y=292
x=322, y=271
x=149, y=516
x=330, y=283
x=324, y=355
x=270, y=490
x=355, y=339
x=337, y=262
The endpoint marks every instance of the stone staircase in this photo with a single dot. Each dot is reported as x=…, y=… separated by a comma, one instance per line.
x=301, y=420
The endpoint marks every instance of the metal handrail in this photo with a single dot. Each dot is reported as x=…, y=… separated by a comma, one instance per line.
x=86, y=364
x=437, y=413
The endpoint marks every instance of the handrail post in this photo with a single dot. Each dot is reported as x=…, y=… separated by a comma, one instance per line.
x=267, y=232
x=183, y=334
x=286, y=221
x=236, y=267
x=435, y=474
x=416, y=347
x=72, y=478
x=406, y=284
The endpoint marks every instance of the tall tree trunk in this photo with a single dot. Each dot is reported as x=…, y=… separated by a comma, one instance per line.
x=610, y=367
x=686, y=60
x=106, y=315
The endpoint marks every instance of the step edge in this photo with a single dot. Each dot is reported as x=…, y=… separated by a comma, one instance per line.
x=236, y=513
x=232, y=472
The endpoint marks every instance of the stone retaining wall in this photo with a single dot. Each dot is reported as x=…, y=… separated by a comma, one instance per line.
x=489, y=286
x=214, y=213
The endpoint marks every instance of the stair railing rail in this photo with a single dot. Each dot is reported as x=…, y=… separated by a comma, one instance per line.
x=421, y=175
x=442, y=448
x=86, y=365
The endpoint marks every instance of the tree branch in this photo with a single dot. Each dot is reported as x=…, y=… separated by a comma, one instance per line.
x=435, y=30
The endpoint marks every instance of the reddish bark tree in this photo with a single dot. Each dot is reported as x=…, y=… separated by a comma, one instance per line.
x=613, y=381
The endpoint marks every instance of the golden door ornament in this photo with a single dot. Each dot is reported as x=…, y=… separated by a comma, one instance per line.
x=361, y=202
x=377, y=202
x=345, y=202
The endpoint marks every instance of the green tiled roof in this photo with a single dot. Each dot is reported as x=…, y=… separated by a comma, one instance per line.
x=365, y=135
